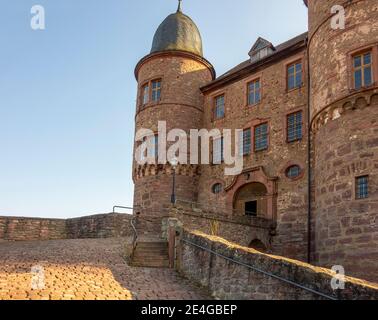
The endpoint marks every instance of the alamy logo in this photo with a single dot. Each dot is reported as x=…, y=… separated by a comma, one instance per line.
x=161, y=148
x=338, y=281
x=37, y=22
x=38, y=278
x=338, y=19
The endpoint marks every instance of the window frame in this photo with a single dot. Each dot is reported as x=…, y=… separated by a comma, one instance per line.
x=215, y=99
x=143, y=93
x=221, y=138
x=362, y=69
x=267, y=138
x=357, y=190
x=214, y=186
x=287, y=66
x=253, y=81
x=293, y=166
x=156, y=80
x=373, y=48
x=149, y=83
x=287, y=126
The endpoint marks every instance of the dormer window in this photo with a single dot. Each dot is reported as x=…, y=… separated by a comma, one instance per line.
x=261, y=49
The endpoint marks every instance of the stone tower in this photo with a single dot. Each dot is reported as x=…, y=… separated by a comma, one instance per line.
x=344, y=113
x=169, y=81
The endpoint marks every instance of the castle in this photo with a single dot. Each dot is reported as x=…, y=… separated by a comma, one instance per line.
x=309, y=113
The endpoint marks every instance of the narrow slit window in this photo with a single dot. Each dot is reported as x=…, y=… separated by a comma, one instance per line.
x=219, y=107
x=362, y=187
x=145, y=93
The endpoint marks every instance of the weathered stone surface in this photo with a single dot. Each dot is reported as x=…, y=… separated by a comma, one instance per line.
x=85, y=269
x=98, y=226
x=230, y=280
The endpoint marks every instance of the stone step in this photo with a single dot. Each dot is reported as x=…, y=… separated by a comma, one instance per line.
x=149, y=250
x=152, y=245
x=162, y=264
x=148, y=259
x=151, y=254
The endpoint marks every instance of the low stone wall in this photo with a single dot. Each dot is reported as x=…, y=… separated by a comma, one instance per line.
x=239, y=229
x=18, y=229
x=230, y=280
x=98, y=226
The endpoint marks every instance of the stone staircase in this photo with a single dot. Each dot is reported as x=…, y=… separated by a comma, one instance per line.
x=151, y=254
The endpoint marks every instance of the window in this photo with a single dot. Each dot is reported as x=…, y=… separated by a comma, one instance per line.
x=261, y=137
x=362, y=187
x=293, y=172
x=362, y=70
x=153, y=145
x=145, y=93
x=217, y=188
x=254, y=95
x=294, y=126
x=245, y=142
x=219, y=107
x=156, y=90
x=294, y=76
x=218, y=150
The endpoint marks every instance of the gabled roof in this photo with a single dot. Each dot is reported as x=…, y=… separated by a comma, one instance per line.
x=260, y=44
x=247, y=67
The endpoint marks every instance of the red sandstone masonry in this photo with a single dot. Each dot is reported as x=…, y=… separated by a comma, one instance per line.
x=228, y=280
x=98, y=226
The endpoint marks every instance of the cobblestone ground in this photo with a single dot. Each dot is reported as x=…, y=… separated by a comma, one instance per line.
x=84, y=269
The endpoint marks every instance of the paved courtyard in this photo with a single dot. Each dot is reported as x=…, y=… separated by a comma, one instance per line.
x=84, y=269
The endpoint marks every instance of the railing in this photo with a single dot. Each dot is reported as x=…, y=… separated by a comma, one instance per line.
x=133, y=222
x=221, y=213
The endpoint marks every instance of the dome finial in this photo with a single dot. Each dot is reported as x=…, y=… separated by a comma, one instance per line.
x=179, y=6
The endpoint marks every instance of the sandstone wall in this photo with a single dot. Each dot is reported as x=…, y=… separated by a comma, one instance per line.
x=181, y=107
x=345, y=144
x=98, y=226
x=242, y=230
x=230, y=280
x=19, y=229
x=277, y=102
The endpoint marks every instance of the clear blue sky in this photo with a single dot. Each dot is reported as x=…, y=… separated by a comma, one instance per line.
x=68, y=92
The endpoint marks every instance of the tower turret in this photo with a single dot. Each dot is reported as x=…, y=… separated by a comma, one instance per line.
x=344, y=122
x=169, y=81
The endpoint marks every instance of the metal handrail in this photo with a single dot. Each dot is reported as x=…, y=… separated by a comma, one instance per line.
x=133, y=222
x=135, y=238
x=120, y=207
x=258, y=270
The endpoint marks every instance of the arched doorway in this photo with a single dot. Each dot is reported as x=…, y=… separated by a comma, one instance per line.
x=251, y=200
x=257, y=245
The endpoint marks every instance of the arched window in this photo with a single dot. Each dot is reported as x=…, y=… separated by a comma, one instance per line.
x=293, y=172
x=217, y=188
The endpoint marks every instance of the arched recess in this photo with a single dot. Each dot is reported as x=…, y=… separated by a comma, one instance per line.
x=258, y=245
x=251, y=199
x=253, y=183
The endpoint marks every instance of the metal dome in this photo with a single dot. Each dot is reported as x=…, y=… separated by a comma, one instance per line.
x=178, y=32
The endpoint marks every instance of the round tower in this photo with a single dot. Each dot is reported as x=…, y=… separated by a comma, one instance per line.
x=343, y=55
x=169, y=82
